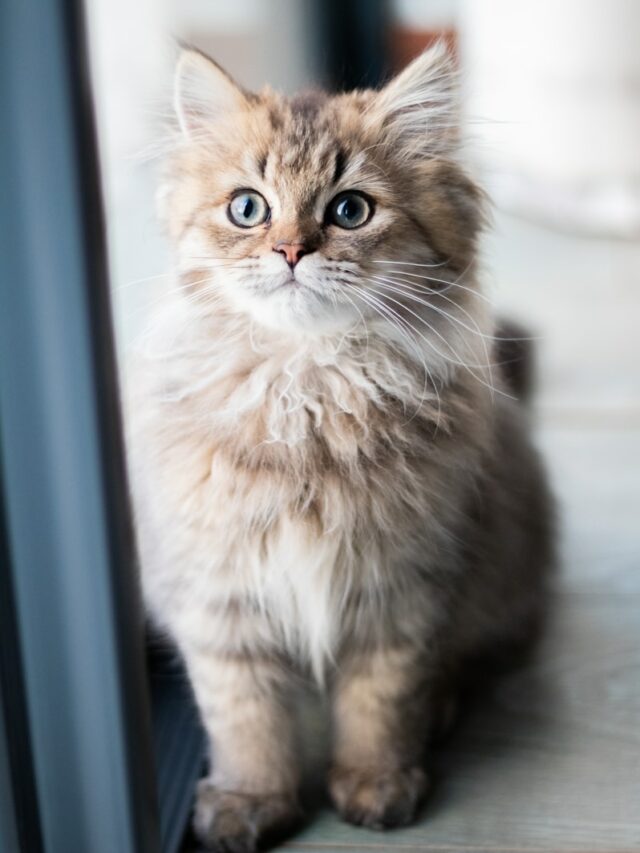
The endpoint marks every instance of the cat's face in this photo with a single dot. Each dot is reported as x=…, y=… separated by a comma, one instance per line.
x=302, y=212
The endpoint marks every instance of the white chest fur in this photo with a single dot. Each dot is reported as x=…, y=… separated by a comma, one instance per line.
x=214, y=524
x=303, y=583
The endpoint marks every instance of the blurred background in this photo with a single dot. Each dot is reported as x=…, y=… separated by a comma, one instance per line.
x=551, y=106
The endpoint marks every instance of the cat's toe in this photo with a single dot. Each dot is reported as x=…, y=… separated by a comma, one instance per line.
x=232, y=822
x=378, y=798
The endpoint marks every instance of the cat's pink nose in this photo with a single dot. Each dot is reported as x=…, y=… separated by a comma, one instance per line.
x=292, y=251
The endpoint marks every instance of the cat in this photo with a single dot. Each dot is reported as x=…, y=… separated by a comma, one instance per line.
x=330, y=475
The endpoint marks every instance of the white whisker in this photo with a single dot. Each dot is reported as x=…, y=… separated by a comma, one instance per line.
x=400, y=324
x=412, y=263
x=456, y=360
x=450, y=317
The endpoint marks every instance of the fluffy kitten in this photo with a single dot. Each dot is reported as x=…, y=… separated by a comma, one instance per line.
x=328, y=474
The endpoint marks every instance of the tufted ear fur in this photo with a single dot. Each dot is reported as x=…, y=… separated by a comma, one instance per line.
x=417, y=111
x=202, y=91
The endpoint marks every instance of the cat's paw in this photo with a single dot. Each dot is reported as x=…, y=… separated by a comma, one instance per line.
x=231, y=822
x=378, y=798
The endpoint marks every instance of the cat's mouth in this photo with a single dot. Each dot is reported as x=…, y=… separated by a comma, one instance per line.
x=291, y=282
x=290, y=285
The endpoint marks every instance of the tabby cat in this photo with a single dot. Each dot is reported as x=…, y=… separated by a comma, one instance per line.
x=330, y=475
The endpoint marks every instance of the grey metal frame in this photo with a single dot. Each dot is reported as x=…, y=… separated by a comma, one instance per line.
x=79, y=627
x=19, y=821
x=8, y=819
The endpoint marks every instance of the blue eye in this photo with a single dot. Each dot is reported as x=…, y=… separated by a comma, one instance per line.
x=248, y=209
x=349, y=210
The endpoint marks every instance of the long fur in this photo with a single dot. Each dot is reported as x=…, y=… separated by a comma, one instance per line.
x=329, y=474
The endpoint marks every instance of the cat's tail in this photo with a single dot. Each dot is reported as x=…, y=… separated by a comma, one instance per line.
x=514, y=351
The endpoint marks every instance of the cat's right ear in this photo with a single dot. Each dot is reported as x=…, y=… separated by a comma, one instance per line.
x=203, y=92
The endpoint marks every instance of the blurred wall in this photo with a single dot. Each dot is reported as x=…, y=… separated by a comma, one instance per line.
x=258, y=42
x=553, y=99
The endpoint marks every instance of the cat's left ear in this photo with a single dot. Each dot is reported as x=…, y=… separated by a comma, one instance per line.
x=203, y=91
x=418, y=110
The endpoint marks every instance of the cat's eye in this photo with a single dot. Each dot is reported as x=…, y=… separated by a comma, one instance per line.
x=248, y=209
x=349, y=210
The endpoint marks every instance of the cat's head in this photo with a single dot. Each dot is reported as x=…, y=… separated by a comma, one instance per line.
x=309, y=212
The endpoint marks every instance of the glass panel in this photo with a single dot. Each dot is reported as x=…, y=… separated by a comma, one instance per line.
x=76, y=606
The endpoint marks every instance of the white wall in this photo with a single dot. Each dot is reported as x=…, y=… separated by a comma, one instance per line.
x=554, y=101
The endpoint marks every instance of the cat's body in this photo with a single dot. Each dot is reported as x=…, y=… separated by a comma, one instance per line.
x=319, y=489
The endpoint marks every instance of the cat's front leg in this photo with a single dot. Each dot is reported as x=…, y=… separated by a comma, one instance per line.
x=380, y=728
x=251, y=790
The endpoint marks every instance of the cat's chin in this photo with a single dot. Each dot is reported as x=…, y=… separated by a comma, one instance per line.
x=295, y=313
